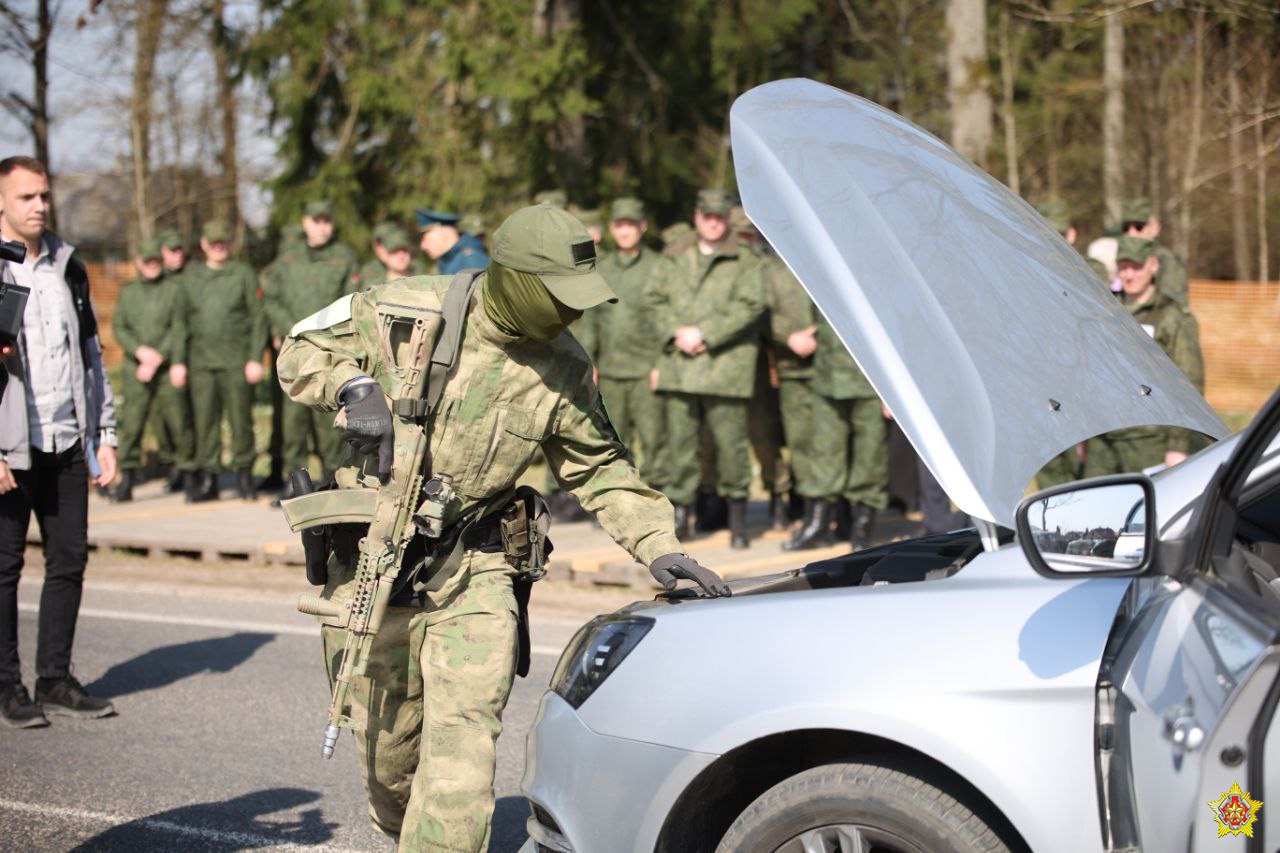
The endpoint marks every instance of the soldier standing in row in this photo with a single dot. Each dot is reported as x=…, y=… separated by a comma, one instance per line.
x=1178, y=334
x=292, y=244
x=226, y=336
x=442, y=666
x=707, y=306
x=849, y=426
x=1138, y=220
x=320, y=272
x=452, y=250
x=393, y=256
x=152, y=331
x=619, y=337
x=173, y=249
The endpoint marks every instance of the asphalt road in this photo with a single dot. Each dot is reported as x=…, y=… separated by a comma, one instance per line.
x=222, y=702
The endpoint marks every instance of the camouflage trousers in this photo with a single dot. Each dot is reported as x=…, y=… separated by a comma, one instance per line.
x=636, y=413
x=854, y=441
x=213, y=394
x=167, y=408
x=796, y=402
x=726, y=418
x=306, y=430
x=764, y=430
x=1125, y=452
x=431, y=707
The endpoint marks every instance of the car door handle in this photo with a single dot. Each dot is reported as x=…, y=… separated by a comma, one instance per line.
x=1184, y=732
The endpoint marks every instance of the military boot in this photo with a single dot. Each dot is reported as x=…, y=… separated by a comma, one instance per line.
x=175, y=481
x=813, y=531
x=274, y=481
x=863, y=523
x=713, y=513
x=244, y=485
x=206, y=487
x=778, y=511
x=842, y=515
x=124, y=489
x=684, y=530
x=190, y=485
x=738, y=524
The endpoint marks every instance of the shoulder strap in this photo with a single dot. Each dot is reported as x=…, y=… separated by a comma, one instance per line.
x=454, y=316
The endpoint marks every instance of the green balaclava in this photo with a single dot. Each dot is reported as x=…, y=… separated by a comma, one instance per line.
x=519, y=304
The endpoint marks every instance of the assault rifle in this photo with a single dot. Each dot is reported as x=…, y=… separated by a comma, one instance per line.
x=391, y=521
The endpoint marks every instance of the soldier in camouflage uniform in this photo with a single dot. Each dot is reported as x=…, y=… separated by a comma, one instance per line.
x=393, y=256
x=1138, y=220
x=173, y=250
x=708, y=304
x=1178, y=334
x=152, y=333
x=315, y=274
x=443, y=664
x=849, y=426
x=620, y=340
x=226, y=336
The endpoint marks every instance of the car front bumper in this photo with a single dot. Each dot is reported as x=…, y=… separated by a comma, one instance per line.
x=592, y=792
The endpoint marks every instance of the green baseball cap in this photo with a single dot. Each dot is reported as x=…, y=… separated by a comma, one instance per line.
x=473, y=223
x=170, y=239
x=556, y=198
x=1134, y=249
x=392, y=237
x=1055, y=213
x=715, y=202
x=318, y=209
x=149, y=250
x=551, y=244
x=216, y=231
x=627, y=208
x=1135, y=210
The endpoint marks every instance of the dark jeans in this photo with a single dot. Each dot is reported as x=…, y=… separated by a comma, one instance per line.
x=57, y=490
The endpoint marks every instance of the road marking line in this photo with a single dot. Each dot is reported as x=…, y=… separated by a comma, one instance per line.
x=227, y=624
x=223, y=836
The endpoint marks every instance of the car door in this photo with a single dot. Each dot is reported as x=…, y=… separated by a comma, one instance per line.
x=1187, y=739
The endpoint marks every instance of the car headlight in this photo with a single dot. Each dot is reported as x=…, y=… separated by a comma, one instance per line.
x=595, y=652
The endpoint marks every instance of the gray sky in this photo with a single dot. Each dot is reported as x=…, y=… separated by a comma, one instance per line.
x=90, y=72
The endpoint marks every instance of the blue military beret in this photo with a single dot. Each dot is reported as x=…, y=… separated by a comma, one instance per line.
x=428, y=217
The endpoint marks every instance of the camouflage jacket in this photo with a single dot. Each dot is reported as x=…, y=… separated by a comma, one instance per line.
x=147, y=314
x=723, y=295
x=835, y=374
x=1178, y=334
x=619, y=337
x=305, y=280
x=505, y=400
x=790, y=310
x=223, y=311
x=1171, y=279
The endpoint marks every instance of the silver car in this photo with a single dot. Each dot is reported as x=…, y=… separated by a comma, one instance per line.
x=980, y=690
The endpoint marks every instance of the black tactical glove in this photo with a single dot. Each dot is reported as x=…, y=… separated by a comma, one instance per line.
x=369, y=424
x=669, y=568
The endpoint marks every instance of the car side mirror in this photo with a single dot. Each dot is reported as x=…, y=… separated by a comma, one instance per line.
x=1103, y=527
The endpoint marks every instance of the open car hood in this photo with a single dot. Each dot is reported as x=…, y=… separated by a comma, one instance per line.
x=988, y=336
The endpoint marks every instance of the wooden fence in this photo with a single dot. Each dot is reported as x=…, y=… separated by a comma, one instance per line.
x=1239, y=333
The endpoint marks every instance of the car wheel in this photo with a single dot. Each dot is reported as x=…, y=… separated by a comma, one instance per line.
x=858, y=808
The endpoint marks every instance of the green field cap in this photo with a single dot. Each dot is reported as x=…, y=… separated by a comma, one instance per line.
x=715, y=202
x=1135, y=210
x=627, y=208
x=216, y=231
x=393, y=238
x=149, y=250
x=1055, y=212
x=319, y=209
x=473, y=223
x=1134, y=249
x=551, y=244
x=170, y=240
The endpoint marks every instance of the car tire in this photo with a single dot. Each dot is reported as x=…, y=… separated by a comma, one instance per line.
x=837, y=806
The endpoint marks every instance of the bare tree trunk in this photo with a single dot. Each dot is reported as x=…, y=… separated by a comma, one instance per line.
x=968, y=79
x=147, y=28
x=1113, y=112
x=1239, y=218
x=1260, y=185
x=1008, y=68
x=226, y=204
x=1183, y=243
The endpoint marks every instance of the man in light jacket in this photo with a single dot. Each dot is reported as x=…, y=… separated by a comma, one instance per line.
x=57, y=430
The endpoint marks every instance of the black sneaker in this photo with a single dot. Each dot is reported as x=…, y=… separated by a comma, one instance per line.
x=67, y=697
x=18, y=711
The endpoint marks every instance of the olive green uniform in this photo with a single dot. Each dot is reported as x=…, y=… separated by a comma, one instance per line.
x=1133, y=450
x=291, y=244
x=148, y=314
x=225, y=329
x=1172, y=279
x=620, y=339
x=723, y=295
x=441, y=673
x=374, y=273
x=849, y=426
x=176, y=435
x=791, y=310
x=309, y=280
